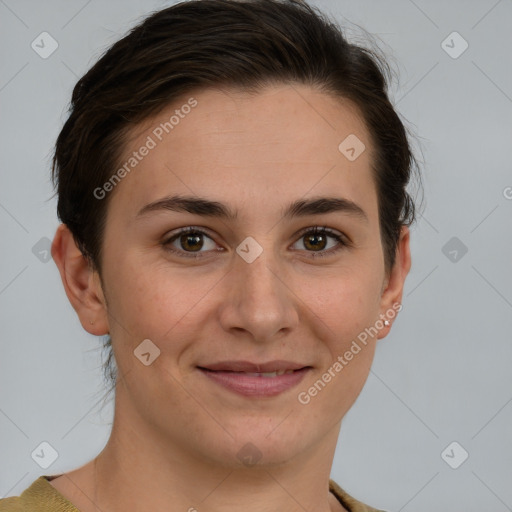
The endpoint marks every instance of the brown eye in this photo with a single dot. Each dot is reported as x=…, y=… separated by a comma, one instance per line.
x=188, y=241
x=191, y=242
x=316, y=240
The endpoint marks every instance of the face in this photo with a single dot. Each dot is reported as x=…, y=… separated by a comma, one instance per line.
x=242, y=279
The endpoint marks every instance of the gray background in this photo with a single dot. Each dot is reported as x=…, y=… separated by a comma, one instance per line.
x=442, y=375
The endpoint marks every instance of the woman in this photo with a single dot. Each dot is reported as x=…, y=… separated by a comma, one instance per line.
x=232, y=189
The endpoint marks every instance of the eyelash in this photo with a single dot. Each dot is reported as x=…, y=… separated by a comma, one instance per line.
x=316, y=230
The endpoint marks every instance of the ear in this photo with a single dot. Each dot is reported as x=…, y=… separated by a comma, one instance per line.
x=81, y=283
x=391, y=299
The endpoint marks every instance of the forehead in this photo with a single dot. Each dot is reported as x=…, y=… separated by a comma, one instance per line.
x=283, y=140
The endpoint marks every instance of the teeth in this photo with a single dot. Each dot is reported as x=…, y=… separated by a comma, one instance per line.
x=269, y=374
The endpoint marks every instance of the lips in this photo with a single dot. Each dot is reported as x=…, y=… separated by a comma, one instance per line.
x=248, y=367
x=253, y=374
x=256, y=379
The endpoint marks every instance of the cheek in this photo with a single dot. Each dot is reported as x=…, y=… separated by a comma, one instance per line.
x=153, y=300
x=347, y=300
x=349, y=314
x=349, y=306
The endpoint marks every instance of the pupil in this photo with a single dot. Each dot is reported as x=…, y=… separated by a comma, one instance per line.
x=316, y=237
x=196, y=239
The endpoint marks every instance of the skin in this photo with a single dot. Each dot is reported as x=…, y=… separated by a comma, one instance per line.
x=176, y=435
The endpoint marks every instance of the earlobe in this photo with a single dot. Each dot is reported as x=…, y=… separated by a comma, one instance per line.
x=81, y=282
x=391, y=300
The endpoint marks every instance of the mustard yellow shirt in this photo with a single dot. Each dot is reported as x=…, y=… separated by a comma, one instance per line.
x=41, y=496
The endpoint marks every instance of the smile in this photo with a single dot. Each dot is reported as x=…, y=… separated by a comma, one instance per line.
x=256, y=384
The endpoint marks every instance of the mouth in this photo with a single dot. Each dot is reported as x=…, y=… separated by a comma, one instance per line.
x=254, y=374
x=256, y=380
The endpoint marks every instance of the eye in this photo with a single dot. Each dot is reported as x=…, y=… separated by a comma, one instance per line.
x=190, y=241
x=316, y=239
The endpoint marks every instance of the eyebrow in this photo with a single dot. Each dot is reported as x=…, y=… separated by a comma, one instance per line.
x=300, y=208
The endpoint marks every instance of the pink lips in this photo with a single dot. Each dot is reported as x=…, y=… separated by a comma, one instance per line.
x=256, y=379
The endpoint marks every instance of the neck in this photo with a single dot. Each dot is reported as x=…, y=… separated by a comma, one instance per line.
x=139, y=471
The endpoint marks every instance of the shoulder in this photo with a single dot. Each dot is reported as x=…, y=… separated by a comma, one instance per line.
x=350, y=503
x=40, y=496
x=10, y=504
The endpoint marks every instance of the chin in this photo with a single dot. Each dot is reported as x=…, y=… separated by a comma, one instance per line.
x=259, y=447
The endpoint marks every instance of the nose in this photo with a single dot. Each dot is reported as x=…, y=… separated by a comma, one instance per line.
x=259, y=300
